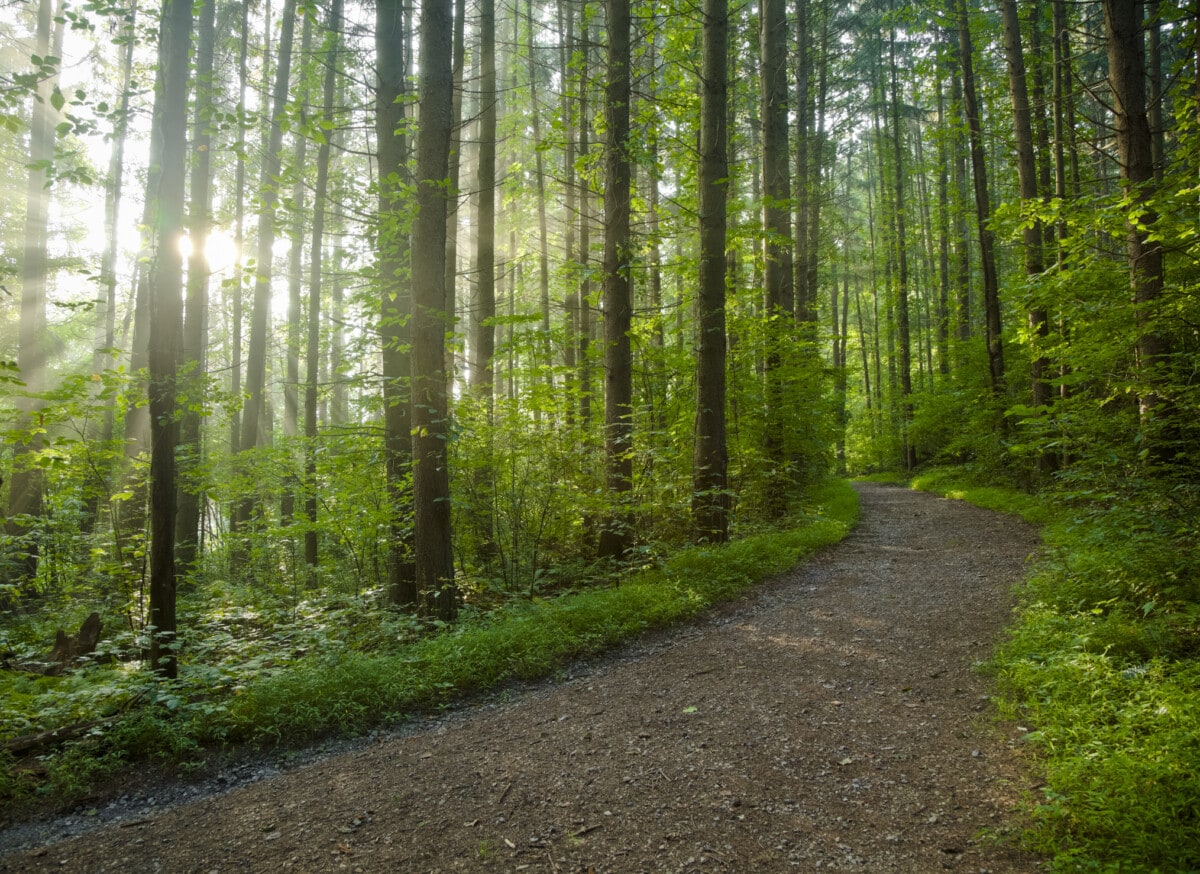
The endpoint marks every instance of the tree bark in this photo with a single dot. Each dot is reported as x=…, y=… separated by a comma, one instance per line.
x=1135, y=154
x=483, y=321
x=256, y=359
x=902, y=314
x=391, y=41
x=195, y=326
x=166, y=285
x=616, y=534
x=710, y=498
x=778, y=280
x=1033, y=234
x=25, y=488
x=312, y=352
x=983, y=210
x=431, y=481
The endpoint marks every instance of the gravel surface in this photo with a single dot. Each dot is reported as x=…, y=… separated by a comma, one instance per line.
x=830, y=720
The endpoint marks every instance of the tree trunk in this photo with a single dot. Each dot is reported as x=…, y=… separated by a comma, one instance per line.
x=195, y=326
x=778, y=281
x=106, y=334
x=1135, y=154
x=710, y=498
x=312, y=352
x=391, y=41
x=458, y=62
x=983, y=210
x=902, y=322
x=239, y=242
x=170, y=127
x=431, y=481
x=256, y=359
x=295, y=278
x=1033, y=233
x=483, y=312
x=25, y=488
x=544, y=345
x=616, y=535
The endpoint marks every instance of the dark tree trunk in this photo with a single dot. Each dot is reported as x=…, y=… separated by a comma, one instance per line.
x=902, y=322
x=616, y=534
x=195, y=326
x=170, y=127
x=391, y=42
x=458, y=62
x=776, y=190
x=25, y=488
x=431, y=413
x=483, y=311
x=710, y=498
x=983, y=210
x=1135, y=154
x=1033, y=233
x=253, y=413
x=312, y=350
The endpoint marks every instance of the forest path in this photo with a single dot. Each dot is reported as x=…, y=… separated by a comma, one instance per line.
x=828, y=720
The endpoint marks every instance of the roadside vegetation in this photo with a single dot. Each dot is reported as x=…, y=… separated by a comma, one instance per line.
x=263, y=672
x=1102, y=668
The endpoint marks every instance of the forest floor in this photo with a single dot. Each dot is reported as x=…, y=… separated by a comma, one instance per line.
x=832, y=719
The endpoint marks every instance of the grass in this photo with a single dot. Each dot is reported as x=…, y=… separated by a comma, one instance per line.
x=1103, y=665
x=290, y=696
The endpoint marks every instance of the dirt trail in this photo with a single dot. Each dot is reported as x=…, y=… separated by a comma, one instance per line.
x=830, y=720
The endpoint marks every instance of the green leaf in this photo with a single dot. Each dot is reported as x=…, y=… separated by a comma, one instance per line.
x=57, y=100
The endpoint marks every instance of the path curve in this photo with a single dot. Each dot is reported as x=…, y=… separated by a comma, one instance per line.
x=830, y=720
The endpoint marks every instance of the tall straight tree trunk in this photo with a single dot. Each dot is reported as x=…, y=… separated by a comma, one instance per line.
x=616, y=534
x=805, y=296
x=776, y=189
x=195, y=326
x=395, y=328
x=295, y=278
x=106, y=333
x=544, y=346
x=483, y=311
x=571, y=210
x=312, y=352
x=710, y=498
x=256, y=359
x=902, y=322
x=1154, y=81
x=239, y=242
x=170, y=127
x=983, y=210
x=25, y=491
x=1135, y=154
x=431, y=413
x=1033, y=235
x=816, y=168
x=943, y=231
x=458, y=63
x=585, y=247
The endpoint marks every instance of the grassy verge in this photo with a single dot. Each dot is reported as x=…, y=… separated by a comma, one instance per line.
x=1103, y=665
x=343, y=689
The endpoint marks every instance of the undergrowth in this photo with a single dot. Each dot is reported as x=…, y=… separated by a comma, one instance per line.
x=1103, y=666
x=352, y=665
